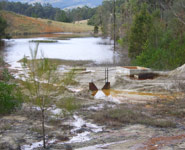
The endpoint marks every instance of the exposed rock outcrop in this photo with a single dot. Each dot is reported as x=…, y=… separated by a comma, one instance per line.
x=179, y=72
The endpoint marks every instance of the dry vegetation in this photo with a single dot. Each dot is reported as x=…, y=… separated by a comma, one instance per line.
x=132, y=114
x=58, y=62
x=19, y=24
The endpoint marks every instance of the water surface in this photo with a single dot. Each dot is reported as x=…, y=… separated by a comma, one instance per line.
x=86, y=48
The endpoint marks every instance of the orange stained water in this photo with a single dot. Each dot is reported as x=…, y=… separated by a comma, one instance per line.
x=94, y=93
x=116, y=93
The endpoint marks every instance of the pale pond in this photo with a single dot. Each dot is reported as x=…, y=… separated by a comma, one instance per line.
x=93, y=49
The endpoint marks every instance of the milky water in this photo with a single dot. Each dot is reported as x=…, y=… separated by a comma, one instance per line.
x=77, y=123
x=88, y=48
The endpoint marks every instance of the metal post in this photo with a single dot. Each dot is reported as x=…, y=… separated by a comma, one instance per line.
x=107, y=75
x=114, y=25
x=107, y=83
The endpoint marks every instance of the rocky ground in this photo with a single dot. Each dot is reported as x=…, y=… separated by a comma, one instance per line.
x=133, y=114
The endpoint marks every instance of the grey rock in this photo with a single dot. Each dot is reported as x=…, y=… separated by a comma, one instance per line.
x=8, y=143
x=68, y=147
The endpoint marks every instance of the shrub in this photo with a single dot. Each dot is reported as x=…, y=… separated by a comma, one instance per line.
x=10, y=97
x=69, y=103
x=96, y=29
x=69, y=78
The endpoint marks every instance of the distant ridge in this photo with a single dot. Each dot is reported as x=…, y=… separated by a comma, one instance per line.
x=23, y=25
x=64, y=4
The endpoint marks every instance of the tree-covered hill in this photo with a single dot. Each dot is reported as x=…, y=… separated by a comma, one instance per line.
x=47, y=11
x=153, y=31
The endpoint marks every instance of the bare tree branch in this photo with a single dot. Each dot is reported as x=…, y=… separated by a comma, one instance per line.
x=182, y=4
x=176, y=15
x=162, y=6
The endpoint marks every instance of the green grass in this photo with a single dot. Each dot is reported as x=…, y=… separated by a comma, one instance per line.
x=69, y=78
x=58, y=62
x=43, y=41
x=73, y=35
x=69, y=103
x=36, y=129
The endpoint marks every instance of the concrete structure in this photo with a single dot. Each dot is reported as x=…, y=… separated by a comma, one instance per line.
x=132, y=70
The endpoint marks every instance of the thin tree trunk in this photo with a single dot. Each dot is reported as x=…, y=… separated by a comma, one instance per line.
x=43, y=128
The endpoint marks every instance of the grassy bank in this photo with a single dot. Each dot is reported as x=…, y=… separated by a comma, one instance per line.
x=58, y=62
x=23, y=25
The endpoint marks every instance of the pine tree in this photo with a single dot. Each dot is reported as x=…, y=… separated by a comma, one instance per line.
x=3, y=26
x=139, y=31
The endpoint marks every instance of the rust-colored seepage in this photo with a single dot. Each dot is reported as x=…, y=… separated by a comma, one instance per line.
x=106, y=92
x=116, y=93
x=94, y=93
x=159, y=142
x=159, y=95
x=130, y=67
x=119, y=93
